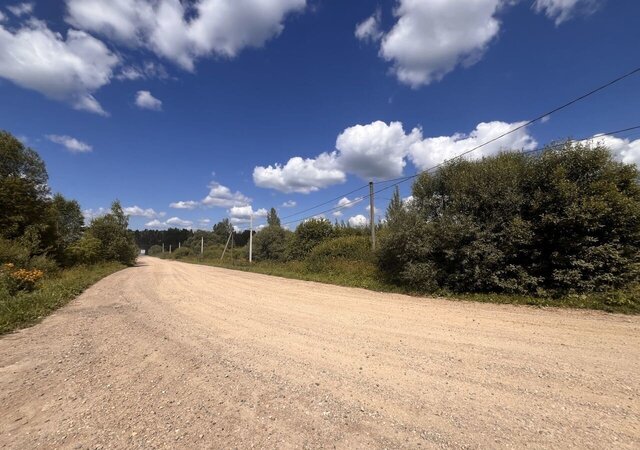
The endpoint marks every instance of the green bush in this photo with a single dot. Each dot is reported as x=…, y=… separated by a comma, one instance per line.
x=182, y=252
x=307, y=235
x=44, y=264
x=566, y=221
x=13, y=252
x=348, y=248
x=86, y=250
x=270, y=243
x=154, y=250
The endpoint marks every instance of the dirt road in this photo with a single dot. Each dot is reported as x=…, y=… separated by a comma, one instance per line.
x=172, y=355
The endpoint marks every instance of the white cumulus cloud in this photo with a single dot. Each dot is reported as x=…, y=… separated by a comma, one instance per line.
x=185, y=31
x=358, y=221
x=431, y=151
x=375, y=150
x=289, y=204
x=188, y=204
x=222, y=196
x=67, y=69
x=300, y=175
x=72, y=144
x=242, y=214
x=144, y=100
x=433, y=37
x=624, y=150
x=173, y=222
x=137, y=211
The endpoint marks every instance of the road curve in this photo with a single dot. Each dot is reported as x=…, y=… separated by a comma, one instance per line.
x=173, y=355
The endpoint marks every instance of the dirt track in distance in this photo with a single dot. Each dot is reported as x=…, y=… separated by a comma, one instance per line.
x=172, y=355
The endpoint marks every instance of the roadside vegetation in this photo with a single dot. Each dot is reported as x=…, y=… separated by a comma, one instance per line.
x=47, y=254
x=556, y=228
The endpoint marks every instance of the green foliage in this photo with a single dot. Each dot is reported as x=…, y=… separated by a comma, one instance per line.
x=566, y=221
x=116, y=242
x=307, y=235
x=23, y=187
x=13, y=252
x=88, y=250
x=345, y=248
x=182, y=252
x=272, y=218
x=221, y=231
x=68, y=224
x=270, y=243
x=25, y=308
x=154, y=250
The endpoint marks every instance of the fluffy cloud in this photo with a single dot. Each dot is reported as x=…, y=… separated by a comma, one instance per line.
x=380, y=150
x=136, y=211
x=344, y=202
x=432, y=37
x=376, y=150
x=185, y=31
x=144, y=100
x=67, y=69
x=72, y=144
x=358, y=221
x=189, y=204
x=289, y=204
x=173, y=222
x=222, y=196
x=431, y=151
x=300, y=175
x=562, y=10
x=369, y=29
x=242, y=214
x=2, y=17
x=624, y=150
x=21, y=9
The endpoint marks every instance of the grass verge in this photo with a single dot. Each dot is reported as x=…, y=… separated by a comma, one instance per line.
x=365, y=275
x=27, y=308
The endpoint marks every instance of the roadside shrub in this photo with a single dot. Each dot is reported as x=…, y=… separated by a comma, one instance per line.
x=566, y=221
x=46, y=265
x=86, y=250
x=182, y=252
x=13, y=252
x=154, y=250
x=348, y=248
x=307, y=235
x=270, y=243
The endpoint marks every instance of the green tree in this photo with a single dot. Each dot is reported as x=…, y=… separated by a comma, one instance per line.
x=221, y=231
x=307, y=235
x=116, y=241
x=567, y=220
x=272, y=218
x=23, y=188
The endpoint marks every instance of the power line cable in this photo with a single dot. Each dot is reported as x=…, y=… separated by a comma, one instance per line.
x=407, y=178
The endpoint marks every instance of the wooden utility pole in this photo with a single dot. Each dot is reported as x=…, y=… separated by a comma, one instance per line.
x=251, y=238
x=372, y=212
x=226, y=245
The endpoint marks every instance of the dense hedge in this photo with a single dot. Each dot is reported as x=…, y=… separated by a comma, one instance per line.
x=563, y=221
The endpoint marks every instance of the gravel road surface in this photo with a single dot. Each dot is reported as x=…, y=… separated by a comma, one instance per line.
x=174, y=355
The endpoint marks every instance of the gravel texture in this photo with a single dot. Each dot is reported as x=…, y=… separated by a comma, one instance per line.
x=173, y=355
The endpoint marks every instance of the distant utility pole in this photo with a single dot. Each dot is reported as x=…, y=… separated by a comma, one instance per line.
x=372, y=210
x=250, y=238
x=169, y=248
x=226, y=245
x=179, y=244
x=201, y=245
x=163, y=247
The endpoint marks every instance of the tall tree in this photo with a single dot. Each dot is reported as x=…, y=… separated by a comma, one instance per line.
x=272, y=218
x=23, y=188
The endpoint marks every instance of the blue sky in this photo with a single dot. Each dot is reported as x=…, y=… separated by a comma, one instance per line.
x=222, y=104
